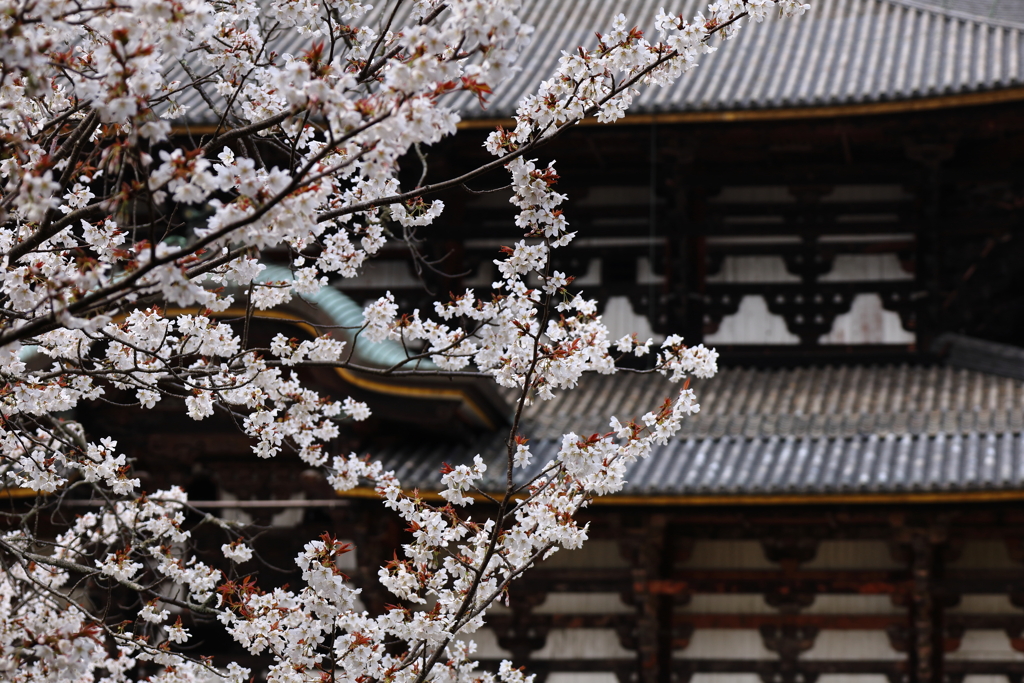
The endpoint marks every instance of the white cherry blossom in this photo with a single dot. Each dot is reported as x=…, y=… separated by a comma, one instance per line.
x=129, y=249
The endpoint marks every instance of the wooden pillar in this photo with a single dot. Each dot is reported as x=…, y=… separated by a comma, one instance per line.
x=645, y=548
x=647, y=575
x=923, y=610
x=789, y=641
x=923, y=544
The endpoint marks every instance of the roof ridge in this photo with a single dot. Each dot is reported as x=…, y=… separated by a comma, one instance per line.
x=957, y=14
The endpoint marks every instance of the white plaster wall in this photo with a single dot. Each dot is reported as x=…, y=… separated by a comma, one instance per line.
x=763, y=269
x=347, y=562
x=860, y=267
x=867, y=322
x=618, y=315
x=582, y=677
x=751, y=240
x=592, y=277
x=748, y=554
x=752, y=323
x=724, y=678
x=720, y=643
x=862, y=193
x=290, y=517
x=584, y=603
x=754, y=603
x=730, y=603
x=235, y=515
x=753, y=194
x=849, y=644
x=866, y=237
x=977, y=645
x=984, y=604
x=583, y=643
x=645, y=274
x=595, y=554
x=830, y=603
x=728, y=554
x=984, y=555
x=487, y=645
x=853, y=555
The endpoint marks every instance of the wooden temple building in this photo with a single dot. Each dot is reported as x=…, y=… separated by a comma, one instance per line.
x=836, y=203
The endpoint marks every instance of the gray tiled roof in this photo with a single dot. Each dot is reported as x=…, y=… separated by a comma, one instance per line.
x=814, y=402
x=842, y=52
x=882, y=429
x=736, y=466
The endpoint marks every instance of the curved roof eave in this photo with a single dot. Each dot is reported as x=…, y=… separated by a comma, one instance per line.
x=346, y=315
x=340, y=312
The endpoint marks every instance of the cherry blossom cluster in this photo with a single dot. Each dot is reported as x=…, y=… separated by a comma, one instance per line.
x=138, y=258
x=48, y=632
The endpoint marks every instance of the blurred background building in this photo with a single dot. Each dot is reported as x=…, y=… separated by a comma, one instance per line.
x=835, y=203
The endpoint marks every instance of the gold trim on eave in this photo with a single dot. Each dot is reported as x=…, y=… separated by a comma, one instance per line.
x=695, y=501
x=741, y=499
x=971, y=99
x=18, y=493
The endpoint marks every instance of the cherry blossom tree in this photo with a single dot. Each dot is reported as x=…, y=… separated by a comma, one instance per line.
x=108, y=289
